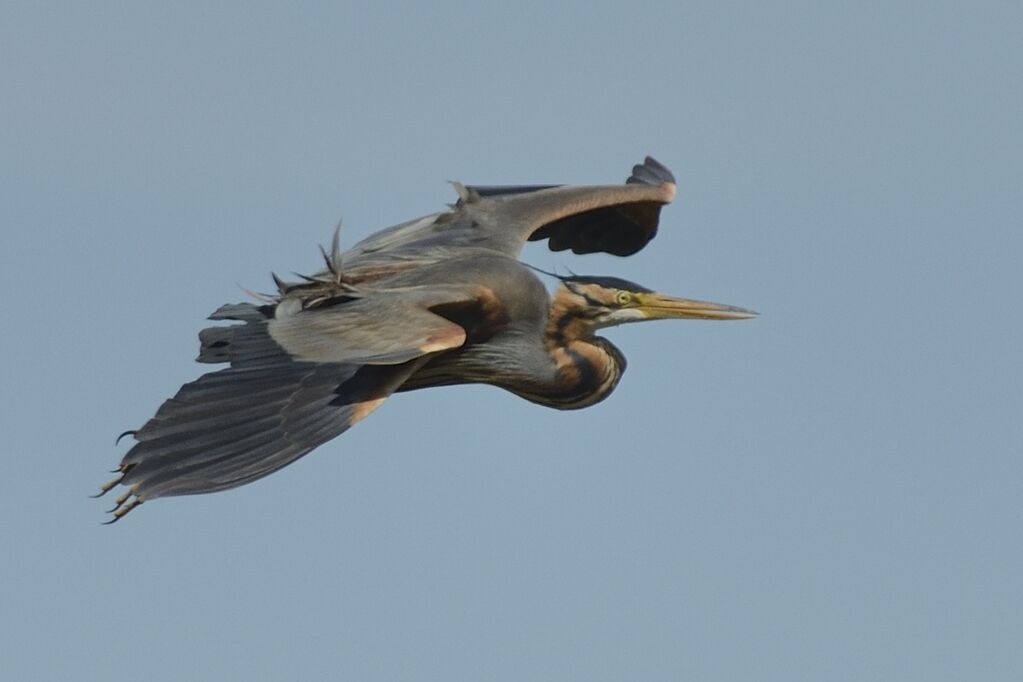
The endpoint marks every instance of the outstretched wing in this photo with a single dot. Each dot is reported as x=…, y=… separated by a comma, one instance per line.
x=616, y=219
x=273, y=405
x=620, y=229
x=619, y=220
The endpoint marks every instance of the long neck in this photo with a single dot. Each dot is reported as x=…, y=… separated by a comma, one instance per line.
x=585, y=368
x=570, y=369
x=585, y=372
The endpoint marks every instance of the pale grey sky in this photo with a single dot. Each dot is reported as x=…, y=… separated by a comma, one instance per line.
x=830, y=492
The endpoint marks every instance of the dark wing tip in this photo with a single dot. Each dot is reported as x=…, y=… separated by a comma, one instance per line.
x=620, y=230
x=650, y=172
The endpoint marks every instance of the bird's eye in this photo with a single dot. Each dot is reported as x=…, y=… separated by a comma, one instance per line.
x=624, y=298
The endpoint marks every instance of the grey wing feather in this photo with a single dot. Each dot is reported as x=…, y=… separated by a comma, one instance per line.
x=245, y=422
x=385, y=327
x=616, y=219
x=229, y=427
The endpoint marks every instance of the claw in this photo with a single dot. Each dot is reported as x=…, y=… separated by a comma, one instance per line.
x=119, y=513
x=120, y=501
x=108, y=486
x=129, y=432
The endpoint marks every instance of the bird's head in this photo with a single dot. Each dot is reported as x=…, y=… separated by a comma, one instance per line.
x=598, y=302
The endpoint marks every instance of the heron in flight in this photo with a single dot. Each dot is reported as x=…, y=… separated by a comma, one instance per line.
x=436, y=301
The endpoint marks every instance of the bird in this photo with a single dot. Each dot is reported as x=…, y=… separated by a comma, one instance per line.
x=435, y=301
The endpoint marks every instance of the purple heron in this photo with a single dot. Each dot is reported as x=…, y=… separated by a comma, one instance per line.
x=435, y=301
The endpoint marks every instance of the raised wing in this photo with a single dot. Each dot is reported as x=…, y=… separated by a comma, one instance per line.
x=617, y=219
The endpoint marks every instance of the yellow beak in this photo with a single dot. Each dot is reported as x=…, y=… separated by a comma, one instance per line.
x=661, y=307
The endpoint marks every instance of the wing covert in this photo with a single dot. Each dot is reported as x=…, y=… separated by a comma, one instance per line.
x=379, y=327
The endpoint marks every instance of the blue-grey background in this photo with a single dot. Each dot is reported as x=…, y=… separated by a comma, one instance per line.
x=829, y=492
